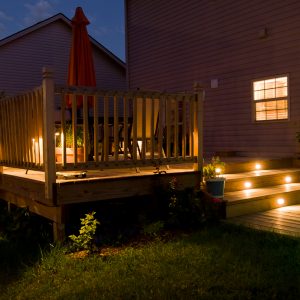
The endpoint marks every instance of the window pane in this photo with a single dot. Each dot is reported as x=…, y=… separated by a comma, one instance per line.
x=271, y=105
x=271, y=114
x=282, y=81
x=259, y=95
x=258, y=85
x=282, y=104
x=260, y=116
x=281, y=92
x=270, y=94
x=270, y=83
x=261, y=106
x=282, y=114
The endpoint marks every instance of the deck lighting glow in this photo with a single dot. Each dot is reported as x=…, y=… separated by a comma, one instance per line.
x=257, y=166
x=247, y=184
x=280, y=201
x=288, y=179
x=218, y=171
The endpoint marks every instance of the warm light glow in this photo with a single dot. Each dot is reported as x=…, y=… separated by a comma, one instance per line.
x=257, y=166
x=288, y=179
x=247, y=184
x=33, y=140
x=218, y=170
x=57, y=133
x=280, y=201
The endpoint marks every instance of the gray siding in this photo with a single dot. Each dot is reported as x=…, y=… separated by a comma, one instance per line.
x=22, y=60
x=171, y=45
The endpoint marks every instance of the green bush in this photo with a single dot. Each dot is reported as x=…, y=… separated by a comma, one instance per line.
x=84, y=241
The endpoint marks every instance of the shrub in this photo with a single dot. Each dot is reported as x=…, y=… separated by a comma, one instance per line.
x=84, y=241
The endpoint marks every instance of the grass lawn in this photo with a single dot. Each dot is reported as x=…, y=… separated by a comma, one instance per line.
x=216, y=262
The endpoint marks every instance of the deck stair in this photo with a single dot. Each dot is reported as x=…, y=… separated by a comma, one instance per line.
x=268, y=185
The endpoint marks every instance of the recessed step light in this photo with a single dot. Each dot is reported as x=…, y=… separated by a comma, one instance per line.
x=280, y=201
x=288, y=179
x=247, y=184
x=257, y=166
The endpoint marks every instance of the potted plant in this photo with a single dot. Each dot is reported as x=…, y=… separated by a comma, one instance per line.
x=69, y=145
x=214, y=182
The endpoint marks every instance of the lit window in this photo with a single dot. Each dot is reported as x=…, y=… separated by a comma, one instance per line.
x=271, y=98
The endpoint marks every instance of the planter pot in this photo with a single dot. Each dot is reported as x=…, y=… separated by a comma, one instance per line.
x=70, y=155
x=215, y=187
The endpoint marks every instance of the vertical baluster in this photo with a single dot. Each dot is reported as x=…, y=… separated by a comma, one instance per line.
x=152, y=127
x=62, y=132
x=168, y=125
x=126, y=127
x=14, y=138
x=199, y=98
x=134, y=128
x=176, y=125
x=38, y=142
x=116, y=128
x=143, y=150
x=183, y=141
x=96, y=128
x=86, y=140
x=74, y=125
x=106, y=128
x=192, y=117
x=161, y=126
x=40, y=122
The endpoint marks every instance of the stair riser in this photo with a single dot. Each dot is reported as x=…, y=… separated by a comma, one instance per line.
x=265, y=164
x=260, y=181
x=261, y=204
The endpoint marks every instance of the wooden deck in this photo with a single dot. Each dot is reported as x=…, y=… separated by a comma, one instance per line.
x=283, y=220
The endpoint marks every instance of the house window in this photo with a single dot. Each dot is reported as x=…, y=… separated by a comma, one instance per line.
x=271, y=98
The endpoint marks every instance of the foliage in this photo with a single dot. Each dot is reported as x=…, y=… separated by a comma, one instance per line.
x=210, y=169
x=185, y=208
x=217, y=262
x=69, y=137
x=84, y=241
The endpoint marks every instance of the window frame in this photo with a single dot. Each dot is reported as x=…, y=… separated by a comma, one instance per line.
x=270, y=99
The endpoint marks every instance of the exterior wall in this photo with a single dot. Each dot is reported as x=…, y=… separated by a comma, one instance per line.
x=172, y=45
x=22, y=60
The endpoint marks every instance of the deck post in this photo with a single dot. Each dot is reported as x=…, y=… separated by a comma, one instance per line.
x=48, y=134
x=198, y=128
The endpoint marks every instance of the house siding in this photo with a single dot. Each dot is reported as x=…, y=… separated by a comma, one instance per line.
x=22, y=60
x=171, y=46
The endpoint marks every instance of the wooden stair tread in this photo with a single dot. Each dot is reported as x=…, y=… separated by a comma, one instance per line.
x=260, y=173
x=251, y=194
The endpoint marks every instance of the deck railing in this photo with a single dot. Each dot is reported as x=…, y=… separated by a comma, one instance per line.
x=115, y=129
x=21, y=130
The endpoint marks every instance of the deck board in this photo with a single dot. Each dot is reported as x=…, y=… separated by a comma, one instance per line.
x=284, y=220
x=99, y=174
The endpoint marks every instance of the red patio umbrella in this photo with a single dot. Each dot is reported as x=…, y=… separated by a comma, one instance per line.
x=81, y=70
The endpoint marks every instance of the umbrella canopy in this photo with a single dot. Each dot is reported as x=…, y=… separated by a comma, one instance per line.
x=81, y=70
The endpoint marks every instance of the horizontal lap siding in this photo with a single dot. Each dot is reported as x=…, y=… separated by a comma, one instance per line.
x=172, y=45
x=22, y=60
